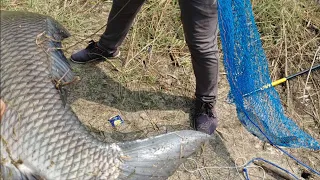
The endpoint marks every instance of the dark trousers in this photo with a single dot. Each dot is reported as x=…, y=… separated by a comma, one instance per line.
x=199, y=19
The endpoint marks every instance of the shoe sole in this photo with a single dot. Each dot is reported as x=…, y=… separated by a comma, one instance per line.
x=98, y=59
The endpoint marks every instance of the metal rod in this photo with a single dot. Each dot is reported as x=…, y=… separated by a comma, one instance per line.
x=282, y=80
x=303, y=72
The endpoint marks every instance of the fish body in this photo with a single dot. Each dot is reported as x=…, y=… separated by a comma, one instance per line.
x=42, y=138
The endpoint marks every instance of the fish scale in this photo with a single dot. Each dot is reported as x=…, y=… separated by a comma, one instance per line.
x=28, y=130
x=42, y=138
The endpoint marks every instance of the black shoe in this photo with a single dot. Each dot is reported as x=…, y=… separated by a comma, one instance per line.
x=92, y=53
x=205, y=117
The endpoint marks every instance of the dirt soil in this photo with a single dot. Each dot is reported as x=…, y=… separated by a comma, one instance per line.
x=148, y=112
x=153, y=95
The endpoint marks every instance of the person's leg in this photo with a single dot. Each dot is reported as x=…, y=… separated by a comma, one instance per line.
x=119, y=22
x=200, y=23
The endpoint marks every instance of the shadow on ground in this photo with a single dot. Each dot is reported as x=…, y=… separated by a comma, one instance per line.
x=98, y=87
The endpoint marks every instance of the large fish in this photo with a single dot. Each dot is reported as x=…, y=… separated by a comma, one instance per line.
x=41, y=138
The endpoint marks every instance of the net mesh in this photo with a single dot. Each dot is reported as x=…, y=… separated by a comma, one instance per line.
x=247, y=70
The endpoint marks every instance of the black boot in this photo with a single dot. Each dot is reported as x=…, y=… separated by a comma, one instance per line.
x=205, y=117
x=93, y=52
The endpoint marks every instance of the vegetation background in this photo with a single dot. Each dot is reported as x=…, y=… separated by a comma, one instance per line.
x=152, y=84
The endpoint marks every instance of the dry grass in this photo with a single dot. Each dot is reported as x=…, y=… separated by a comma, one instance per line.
x=145, y=63
x=291, y=35
x=155, y=71
x=289, y=30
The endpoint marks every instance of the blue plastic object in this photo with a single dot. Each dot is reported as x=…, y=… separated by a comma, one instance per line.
x=116, y=121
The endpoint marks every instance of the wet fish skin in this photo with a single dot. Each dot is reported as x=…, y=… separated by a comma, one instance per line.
x=41, y=138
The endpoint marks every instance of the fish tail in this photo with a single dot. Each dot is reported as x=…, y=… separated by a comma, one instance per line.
x=158, y=157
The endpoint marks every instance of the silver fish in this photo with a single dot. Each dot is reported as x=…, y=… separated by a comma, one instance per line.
x=42, y=138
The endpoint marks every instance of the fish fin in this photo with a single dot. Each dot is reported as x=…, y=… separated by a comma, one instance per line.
x=56, y=30
x=60, y=67
x=29, y=173
x=11, y=172
x=158, y=157
x=61, y=70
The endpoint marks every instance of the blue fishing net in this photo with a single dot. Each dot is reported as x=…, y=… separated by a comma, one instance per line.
x=247, y=69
